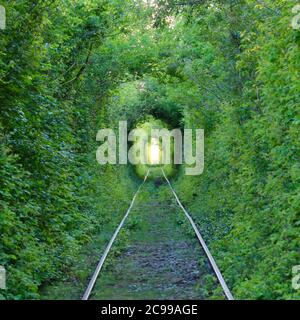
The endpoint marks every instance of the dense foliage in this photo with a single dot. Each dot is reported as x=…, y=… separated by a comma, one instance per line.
x=51, y=198
x=69, y=68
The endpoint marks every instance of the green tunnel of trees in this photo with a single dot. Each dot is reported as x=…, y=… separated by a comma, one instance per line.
x=69, y=68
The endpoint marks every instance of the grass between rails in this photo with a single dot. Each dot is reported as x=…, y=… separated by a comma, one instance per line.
x=156, y=256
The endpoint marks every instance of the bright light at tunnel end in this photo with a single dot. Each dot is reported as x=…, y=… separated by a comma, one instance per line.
x=161, y=147
x=154, y=152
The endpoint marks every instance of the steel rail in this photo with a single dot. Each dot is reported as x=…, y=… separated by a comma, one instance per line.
x=212, y=261
x=94, y=278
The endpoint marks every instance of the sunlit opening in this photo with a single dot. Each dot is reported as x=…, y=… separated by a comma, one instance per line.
x=154, y=152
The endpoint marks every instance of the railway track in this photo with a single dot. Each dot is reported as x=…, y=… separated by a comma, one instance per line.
x=204, y=247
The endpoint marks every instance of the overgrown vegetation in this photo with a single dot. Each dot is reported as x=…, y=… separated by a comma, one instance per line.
x=69, y=68
x=53, y=194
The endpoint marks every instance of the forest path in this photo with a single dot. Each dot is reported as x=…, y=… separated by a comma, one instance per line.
x=161, y=259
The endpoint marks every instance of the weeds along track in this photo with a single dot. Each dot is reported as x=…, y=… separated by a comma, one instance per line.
x=159, y=259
